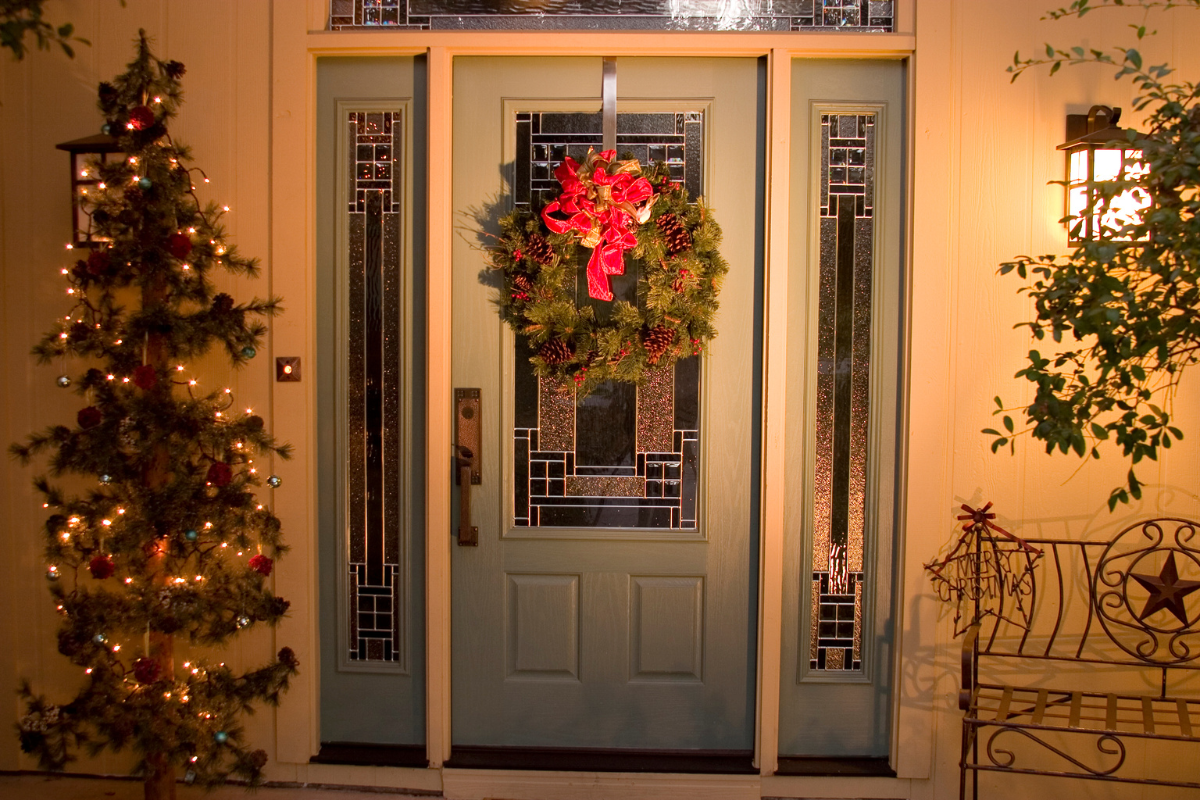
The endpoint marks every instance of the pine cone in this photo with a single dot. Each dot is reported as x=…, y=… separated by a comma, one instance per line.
x=676, y=236
x=537, y=248
x=656, y=341
x=555, y=352
x=522, y=282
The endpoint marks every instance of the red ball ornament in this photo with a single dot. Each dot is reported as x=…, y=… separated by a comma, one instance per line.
x=180, y=245
x=261, y=564
x=219, y=474
x=101, y=567
x=146, y=670
x=141, y=118
x=144, y=377
x=98, y=263
x=89, y=417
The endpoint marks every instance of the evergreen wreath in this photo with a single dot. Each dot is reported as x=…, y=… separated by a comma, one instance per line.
x=620, y=212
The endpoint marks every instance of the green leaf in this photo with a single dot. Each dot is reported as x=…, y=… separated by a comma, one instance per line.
x=1099, y=431
x=1008, y=423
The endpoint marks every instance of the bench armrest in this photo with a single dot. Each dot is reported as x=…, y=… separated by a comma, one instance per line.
x=968, y=667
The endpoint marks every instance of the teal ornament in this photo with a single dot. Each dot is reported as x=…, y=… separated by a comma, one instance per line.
x=243, y=621
x=189, y=777
x=99, y=638
x=144, y=183
x=52, y=573
x=63, y=381
x=106, y=129
x=106, y=478
x=274, y=481
x=249, y=352
x=191, y=535
x=220, y=737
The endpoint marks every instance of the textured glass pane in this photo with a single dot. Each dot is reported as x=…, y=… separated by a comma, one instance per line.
x=699, y=15
x=845, y=267
x=373, y=385
x=626, y=457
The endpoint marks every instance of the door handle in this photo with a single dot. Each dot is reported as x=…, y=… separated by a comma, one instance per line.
x=468, y=534
x=468, y=436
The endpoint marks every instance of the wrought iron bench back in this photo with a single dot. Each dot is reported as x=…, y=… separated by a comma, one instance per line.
x=1072, y=600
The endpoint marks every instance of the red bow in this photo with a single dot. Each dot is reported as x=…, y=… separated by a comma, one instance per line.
x=603, y=209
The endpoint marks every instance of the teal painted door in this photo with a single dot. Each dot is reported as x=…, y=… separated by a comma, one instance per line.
x=611, y=601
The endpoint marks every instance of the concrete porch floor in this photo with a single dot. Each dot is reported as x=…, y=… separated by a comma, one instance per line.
x=62, y=787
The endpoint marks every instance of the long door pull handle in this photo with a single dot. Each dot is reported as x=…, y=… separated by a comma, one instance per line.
x=468, y=534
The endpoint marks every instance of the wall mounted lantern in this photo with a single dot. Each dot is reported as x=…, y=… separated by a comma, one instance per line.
x=1099, y=152
x=85, y=182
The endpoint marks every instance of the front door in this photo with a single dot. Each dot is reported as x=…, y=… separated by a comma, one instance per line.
x=611, y=600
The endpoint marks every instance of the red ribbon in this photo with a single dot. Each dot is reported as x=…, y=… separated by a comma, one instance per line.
x=602, y=209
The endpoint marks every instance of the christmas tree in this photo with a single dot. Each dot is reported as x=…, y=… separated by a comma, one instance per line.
x=155, y=537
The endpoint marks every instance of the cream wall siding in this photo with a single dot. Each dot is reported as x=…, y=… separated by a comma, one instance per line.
x=48, y=99
x=984, y=151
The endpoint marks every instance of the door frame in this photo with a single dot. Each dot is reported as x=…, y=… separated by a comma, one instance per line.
x=300, y=41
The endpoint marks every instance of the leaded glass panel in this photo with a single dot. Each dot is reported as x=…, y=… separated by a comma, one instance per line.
x=373, y=383
x=846, y=231
x=626, y=456
x=873, y=16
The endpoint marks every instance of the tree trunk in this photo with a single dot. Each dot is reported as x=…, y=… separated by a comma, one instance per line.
x=160, y=778
x=160, y=772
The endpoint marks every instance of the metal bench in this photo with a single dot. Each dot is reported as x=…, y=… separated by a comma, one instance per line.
x=1037, y=613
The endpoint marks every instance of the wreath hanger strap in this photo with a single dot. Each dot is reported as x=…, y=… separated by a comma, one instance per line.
x=608, y=105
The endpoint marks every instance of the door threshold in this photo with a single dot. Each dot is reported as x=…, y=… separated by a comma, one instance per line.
x=844, y=766
x=564, y=759
x=361, y=754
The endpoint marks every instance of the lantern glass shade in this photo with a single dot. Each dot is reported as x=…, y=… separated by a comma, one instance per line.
x=86, y=154
x=1098, y=157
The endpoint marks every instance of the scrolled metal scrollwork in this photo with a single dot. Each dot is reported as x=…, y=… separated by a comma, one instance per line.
x=1005, y=759
x=1129, y=561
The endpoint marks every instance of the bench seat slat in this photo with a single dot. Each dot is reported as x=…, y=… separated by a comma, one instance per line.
x=1076, y=704
x=1039, y=710
x=1185, y=717
x=1005, y=702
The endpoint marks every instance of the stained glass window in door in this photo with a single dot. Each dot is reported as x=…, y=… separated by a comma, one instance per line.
x=626, y=456
x=373, y=383
x=843, y=371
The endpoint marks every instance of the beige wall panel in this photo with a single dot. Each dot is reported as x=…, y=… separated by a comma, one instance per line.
x=47, y=99
x=981, y=196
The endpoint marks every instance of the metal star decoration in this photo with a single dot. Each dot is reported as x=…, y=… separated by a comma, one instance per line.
x=1166, y=590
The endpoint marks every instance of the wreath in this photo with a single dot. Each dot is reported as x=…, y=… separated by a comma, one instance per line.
x=621, y=213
